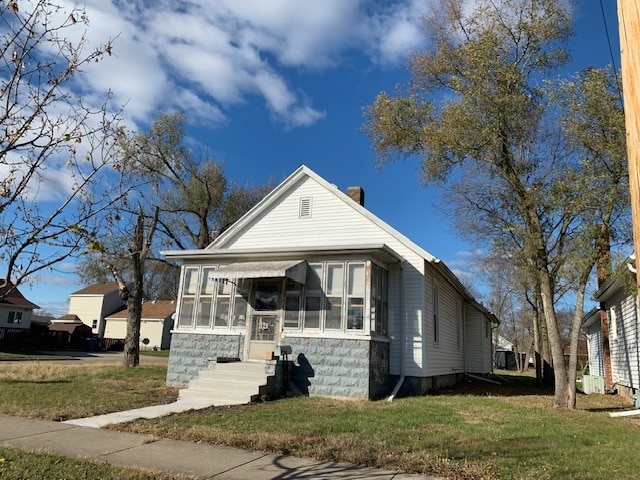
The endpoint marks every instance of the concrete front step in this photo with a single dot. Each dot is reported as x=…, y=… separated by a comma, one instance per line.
x=228, y=383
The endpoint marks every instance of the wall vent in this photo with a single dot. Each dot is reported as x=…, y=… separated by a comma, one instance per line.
x=305, y=207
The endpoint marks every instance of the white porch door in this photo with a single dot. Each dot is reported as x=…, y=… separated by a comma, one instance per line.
x=265, y=318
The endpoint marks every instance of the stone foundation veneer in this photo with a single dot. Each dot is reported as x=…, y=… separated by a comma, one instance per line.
x=192, y=352
x=327, y=367
x=340, y=367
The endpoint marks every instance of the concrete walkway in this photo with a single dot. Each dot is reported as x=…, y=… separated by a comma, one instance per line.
x=198, y=460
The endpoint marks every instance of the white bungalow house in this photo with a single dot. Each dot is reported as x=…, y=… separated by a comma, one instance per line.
x=619, y=299
x=15, y=310
x=364, y=310
x=156, y=322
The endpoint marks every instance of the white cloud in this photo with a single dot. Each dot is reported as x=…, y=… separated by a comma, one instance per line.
x=213, y=55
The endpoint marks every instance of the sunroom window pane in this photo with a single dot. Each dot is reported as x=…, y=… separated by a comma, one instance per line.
x=333, y=318
x=204, y=314
x=222, y=312
x=186, y=312
x=190, y=281
x=355, y=314
x=314, y=277
x=312, y=312
x=335, y=280
x=292, y=310
x=356, y=279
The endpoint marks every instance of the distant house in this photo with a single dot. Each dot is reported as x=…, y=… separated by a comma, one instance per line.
x=15, y=310
x=156, y=323
x=365, y=311
x=72, y=331
x=93, y=303
x=618, y=297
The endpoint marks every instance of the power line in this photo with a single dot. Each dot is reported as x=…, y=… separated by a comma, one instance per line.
x=613, y=62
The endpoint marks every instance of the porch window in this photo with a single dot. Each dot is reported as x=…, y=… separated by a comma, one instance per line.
x=313, y=296
x=223, y=301
x=241, y=300
x=292, y=301
x=335, y=293
x=189, y=290
x=355, y=296
x=206, y=299
x=379, y=299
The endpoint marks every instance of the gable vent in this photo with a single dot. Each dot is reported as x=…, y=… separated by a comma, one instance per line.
x=305, y=207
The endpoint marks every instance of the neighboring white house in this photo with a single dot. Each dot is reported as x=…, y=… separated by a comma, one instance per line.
x=363, y=308
x=618, y=297
x=155, y=327
x=15, y=309
x=93, y=303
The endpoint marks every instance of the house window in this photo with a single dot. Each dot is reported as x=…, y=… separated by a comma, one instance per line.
x=313, y=296
x=14, y=317
x=189, y=290
x=205, y=300
x=94, y=323
x=223, y=303
x=355, y=296
x=334, y=296
x=305, y=208
x=436, y=313
x=241, y=300
x=379, y=299
x=292, y=301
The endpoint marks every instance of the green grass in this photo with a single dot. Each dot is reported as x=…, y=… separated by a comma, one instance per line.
x=479, y=431
x=155, y=353
x=60, y=392
x=26, y=465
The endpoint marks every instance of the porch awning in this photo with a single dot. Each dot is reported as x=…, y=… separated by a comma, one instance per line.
x=294, y=269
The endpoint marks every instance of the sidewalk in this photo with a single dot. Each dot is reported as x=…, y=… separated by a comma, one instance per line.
x=196, y=459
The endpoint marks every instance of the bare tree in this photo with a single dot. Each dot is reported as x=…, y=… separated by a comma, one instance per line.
x=54, y=146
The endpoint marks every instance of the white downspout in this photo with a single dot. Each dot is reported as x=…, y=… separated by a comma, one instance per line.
x=402, y=335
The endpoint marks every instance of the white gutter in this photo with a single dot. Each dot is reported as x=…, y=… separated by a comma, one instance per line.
x=402, y=335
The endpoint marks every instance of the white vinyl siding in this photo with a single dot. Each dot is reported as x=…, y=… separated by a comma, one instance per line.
x=443, y=357
x=477, y=346
x=625, y=361
x=594, y=347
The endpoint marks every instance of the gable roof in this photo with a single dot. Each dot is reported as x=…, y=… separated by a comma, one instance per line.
x=98, y=289
x=217, y=247
x=151, y=310
x=14, y=297
x=286, y=185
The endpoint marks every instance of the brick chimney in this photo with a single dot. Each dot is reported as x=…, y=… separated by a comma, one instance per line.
x=356, y=194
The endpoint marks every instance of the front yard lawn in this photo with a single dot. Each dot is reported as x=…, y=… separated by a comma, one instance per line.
x=477, y=432
x=52, y=391
x=16, y=463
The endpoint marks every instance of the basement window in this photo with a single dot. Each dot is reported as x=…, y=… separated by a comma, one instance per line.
x=305, y=207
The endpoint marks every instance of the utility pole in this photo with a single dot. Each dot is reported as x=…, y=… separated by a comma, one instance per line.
x=629, y=28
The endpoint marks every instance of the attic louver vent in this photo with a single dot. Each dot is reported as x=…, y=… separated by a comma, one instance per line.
x=305, y=207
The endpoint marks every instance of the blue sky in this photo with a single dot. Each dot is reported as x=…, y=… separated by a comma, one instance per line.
x=269, y=85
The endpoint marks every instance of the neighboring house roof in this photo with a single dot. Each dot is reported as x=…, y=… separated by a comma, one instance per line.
x=98, y=289
x=151, y=310
x=68, y=318
x=72, y=328
x=504, y=345
x=14, y=297
x=217, y=247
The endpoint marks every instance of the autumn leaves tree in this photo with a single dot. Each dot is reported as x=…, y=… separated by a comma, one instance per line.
x=478, y=116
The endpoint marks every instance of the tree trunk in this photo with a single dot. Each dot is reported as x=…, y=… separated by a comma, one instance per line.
x=573, y=348
x=560, y=394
